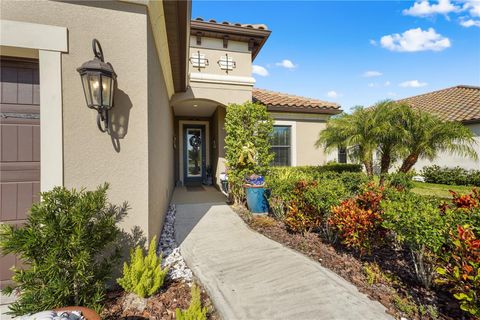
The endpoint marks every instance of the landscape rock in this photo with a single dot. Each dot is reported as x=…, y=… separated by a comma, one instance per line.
x=168, y=247
x=132, y=301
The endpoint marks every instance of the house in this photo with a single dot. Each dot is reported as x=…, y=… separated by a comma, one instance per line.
x=174, y=80
x=460, y=103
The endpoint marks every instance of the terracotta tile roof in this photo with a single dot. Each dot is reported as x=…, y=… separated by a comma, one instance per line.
x=276, y=101
x=460, y=103
x=244, y=25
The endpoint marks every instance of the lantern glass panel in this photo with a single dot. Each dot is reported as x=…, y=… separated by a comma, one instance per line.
x=107, y=91
x=94, y=82
x=86, y=90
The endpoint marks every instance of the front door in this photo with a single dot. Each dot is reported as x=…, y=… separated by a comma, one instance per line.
x=194, y=157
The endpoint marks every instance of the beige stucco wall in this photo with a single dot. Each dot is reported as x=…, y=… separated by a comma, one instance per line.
x=213, y=50
x=307, y=128
x=122, y=159
x=449, y=160
x=307, y=135
x=161, y=174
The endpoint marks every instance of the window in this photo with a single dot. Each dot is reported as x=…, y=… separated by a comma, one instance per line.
x=282, y=145
x=342, y=155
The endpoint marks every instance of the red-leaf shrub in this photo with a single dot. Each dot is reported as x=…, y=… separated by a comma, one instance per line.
x=466, y=201
x=462, y=271
x=301, y=216
x=358, y=220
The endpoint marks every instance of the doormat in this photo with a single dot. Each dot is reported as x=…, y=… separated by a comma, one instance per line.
x=195, y=188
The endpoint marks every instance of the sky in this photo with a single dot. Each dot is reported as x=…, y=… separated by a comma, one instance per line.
x=359, y=52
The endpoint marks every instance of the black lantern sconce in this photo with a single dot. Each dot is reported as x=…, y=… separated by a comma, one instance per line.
x=98, y=80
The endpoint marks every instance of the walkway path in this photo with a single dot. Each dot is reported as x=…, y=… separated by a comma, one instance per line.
x=249, y=276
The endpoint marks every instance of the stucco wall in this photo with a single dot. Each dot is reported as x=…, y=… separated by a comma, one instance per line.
x=449, y=160
x=160, y=142
x=213, y=50
x=92, y=157
x=307, y=129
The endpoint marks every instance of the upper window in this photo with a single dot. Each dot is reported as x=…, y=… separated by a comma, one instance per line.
x=282, y=145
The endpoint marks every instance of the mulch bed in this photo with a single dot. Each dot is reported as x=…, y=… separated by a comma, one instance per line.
x=391, y=283
x=175, y=294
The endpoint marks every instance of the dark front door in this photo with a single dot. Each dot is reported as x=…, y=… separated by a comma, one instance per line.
x=194, y=155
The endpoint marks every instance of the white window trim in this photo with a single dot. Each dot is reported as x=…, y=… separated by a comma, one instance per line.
x=293, y=137
x=50, y=41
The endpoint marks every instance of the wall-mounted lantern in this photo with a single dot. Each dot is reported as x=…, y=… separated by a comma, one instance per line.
x=98, y=80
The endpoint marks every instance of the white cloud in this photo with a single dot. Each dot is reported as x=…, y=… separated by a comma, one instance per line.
x=470, y=23
x=261, y=71
x=473, y=7
x=285, y=63
x=387, y=83
x=371, y=85
x=332, y=94
x=373, y=42
x=370, y=74
x=414, y=40
x=412, y=84
x=423, y=8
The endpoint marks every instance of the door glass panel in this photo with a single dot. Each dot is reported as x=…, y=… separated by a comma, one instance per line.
x=194, y=152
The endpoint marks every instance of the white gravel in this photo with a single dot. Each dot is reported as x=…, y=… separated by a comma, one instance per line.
x=167, y=245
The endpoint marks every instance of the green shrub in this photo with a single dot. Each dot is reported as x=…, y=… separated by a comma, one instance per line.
x=195, y=310
x=145, y=275
x=249, y=130
x=400, y=181
x=64, y=244
x=451, y=176
x=418, y=224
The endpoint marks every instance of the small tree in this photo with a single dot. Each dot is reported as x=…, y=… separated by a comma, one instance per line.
x=249, y=130
x=427, y=135
x=356, y=130
x=63, y=244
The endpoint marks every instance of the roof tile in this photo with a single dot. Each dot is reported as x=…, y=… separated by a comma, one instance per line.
x=292, y=103
x=460, y=103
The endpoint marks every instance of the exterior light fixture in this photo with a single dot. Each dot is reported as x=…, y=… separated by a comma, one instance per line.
x=98, y=80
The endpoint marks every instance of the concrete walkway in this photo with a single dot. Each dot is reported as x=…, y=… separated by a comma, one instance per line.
x=249, y=276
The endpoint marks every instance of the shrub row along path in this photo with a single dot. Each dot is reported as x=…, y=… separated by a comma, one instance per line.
x=249, y=276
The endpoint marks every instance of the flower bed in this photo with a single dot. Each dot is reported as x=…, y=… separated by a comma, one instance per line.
x=419, y=255
x=385, y=276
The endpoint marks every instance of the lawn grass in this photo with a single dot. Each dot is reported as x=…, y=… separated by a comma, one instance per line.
x=438, y=190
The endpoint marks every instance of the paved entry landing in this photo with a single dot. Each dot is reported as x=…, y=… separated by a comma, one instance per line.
x=249, y=276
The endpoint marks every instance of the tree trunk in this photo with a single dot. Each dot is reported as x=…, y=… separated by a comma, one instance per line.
x=368, y=167
x=384, y=166
x=409, y=162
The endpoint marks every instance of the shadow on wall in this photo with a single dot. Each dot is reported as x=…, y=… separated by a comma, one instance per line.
x=125, y=242
x=119, y=117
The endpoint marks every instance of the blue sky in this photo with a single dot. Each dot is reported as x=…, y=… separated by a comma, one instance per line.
x=360, y=52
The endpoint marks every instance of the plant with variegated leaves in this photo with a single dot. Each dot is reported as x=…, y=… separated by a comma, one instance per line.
x=462, y=269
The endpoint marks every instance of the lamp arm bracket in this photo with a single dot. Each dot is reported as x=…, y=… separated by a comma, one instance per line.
x=102, y=117
x=97, y=49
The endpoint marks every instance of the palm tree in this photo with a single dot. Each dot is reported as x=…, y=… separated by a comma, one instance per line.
x=426, y=135
x=352, y=130
x=389, y=131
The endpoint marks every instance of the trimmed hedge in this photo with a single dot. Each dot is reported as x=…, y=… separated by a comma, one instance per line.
x=451, y=176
